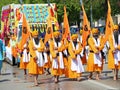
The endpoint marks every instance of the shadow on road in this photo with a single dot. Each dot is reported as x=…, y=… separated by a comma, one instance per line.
x=4, y=80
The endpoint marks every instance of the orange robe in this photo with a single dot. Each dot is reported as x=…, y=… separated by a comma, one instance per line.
x=72, y=55
x=102, y=38
x=111, y=64
x=48, y=64
x=33, y=67
x=66, y=43
x=91, y=66
x=23, y=65
x=56, y=71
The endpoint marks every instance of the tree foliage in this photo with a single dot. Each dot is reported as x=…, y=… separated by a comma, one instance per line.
x=99, y=7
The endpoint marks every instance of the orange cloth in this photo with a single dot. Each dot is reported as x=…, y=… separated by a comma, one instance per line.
x=84, y=61
x=91, y=67
x=23, y=65
x=48, y=64
x=65, y=43
x=49, y=30
x=111, y=64
x=66, y=27
x=86, y=27
x=25, y=31
x=33, y=67
x=56, y=33
x=73, y=74
x=34, y=33
x=58, y=71
x=74, y=36
x=109, y=24
x=94, y=31
x=14, y=52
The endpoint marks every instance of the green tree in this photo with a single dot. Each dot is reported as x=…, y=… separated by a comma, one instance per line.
x=99, y=8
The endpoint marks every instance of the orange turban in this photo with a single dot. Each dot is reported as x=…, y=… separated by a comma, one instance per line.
x=81, y=31
x=34, y=33
x=94, y=30
x=115, y=27
x=74, y=36
x=56, y=33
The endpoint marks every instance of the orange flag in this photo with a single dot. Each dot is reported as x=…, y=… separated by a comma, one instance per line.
x=109, y=23
x=86, y=27
x=66, y=29
x=25, y=31
x=49, y=30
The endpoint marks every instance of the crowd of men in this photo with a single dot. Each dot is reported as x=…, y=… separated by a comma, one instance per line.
x=67, y=56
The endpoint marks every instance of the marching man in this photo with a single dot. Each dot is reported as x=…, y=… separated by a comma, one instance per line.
x=94, y=63
x=114, y=52
x=56, y=48
x=75, y=67
x=36, y=49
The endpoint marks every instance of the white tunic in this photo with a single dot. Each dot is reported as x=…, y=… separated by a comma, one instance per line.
x=55, y=61
x=26, y=57
x=117, y=52
x=97, y=57
x=76, y=65
x=40, y=60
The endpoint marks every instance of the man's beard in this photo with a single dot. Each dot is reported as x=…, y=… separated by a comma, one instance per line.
x=57, y=39
x=75, y=43
x=116, y=36
x=36, y=40
x=95, y=36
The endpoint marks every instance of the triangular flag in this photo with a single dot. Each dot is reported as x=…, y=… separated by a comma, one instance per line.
x=109, y=23
x=49, y=30
x=25, y=31
x=86, y=27
x=66, y=28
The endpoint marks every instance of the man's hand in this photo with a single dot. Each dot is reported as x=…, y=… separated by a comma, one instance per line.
x=36, y=58
x=25, y=47
x=34, y=48
x=73, y=51
x=55, y=48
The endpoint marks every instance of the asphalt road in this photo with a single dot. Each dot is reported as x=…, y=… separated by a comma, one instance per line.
x=12, y=78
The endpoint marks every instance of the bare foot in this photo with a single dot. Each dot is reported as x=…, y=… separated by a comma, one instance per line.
x=97, y=78
x=36, y=84
x=79, y=78
x=56, y=81
x=89, y=77
x=115, y=78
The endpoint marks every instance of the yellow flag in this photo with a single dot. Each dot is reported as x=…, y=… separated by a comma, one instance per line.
x=66, y=28
x=49, y=30
x=86, y=27
x=109, y=23
x=25, y=31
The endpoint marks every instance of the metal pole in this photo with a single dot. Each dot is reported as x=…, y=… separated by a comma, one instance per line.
x=91, y=14
x=81, y=2
x=21, y=2
x=48, y=2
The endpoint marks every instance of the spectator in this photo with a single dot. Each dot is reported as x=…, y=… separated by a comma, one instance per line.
x=2, y=53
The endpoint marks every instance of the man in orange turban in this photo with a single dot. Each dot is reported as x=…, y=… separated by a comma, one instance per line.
x=113, y=53
x=75, y=67
x=36, y=63
x=56, y=49
x=94, y=63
